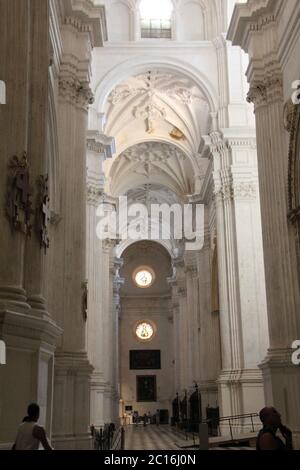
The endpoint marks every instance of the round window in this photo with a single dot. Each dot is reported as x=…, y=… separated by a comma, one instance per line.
x=144, y=277
x=144, y=330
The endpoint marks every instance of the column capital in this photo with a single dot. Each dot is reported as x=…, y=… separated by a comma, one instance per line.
x=94, y=192
x=78, y=93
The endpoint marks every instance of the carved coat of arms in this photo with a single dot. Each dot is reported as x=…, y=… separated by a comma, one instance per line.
x=43, y=213
x=18, y=196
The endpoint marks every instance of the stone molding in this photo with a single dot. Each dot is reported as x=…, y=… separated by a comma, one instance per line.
x=93, y=146
x=234, y=191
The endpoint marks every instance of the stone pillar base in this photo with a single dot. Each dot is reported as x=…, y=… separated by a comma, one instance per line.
x=209, y=395
x=79, y=442
x=282, y=384
x=28, y=374
x=72, y=388
x=240, y=392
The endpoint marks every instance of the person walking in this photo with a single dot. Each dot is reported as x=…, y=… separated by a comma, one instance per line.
x=30, y=435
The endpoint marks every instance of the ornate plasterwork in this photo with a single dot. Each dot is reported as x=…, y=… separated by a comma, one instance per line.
x=94, y=193
x=151, y=152
x=228, y=190
x=76, y=92
x=157, y=102
x=155, y=163
x=149, y=88
x=269, y=90
x=156, y=84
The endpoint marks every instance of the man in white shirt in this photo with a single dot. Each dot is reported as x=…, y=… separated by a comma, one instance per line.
x=30, y=434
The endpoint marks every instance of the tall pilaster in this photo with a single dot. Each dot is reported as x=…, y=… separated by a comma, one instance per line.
x=73, y=369
x=281, y=377
x=267, y=32
x=97, y=275
x=242, y=296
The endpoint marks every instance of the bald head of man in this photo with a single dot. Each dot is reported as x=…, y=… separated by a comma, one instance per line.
x=269, y=416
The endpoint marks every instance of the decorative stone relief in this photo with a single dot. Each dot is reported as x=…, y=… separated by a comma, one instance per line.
x=245, y=190
x=43, y=213
x=150, y=87
x=84, y=287
x=294, y=167
x=270, y=89
x=150, y=152
x=76, y=92
x=18, y=195
x=94, y=194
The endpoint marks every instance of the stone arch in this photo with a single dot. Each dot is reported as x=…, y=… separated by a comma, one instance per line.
x=134, y=66
x=124, y=244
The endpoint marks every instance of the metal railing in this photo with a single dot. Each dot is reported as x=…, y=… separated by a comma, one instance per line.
x=231, y=420
x=108, y=438
x=118, y=442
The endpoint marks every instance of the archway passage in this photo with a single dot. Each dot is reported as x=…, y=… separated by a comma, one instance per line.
x=146, y=348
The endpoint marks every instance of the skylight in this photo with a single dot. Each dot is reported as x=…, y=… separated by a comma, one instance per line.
x=156, y=19
x=156, y=9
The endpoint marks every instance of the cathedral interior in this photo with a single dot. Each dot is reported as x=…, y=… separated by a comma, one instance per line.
x=121, y=120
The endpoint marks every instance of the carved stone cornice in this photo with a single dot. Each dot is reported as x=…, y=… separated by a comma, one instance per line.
x=85, y=17
x=251, y=17
x=95, y=146
x=76, y=92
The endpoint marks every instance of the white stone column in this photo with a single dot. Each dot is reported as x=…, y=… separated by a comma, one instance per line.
x=244, y=330
x=208, y=331
x=268, y=35
x=118, y=282
x=184, y=351
x=281, y=377
x=98, y=147
x=174, y=305
x=73, y=369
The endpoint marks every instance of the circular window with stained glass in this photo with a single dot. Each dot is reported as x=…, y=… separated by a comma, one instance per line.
x=144, y=331
x=144, y=277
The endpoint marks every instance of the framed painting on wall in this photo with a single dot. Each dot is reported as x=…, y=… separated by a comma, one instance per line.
x=146, y=388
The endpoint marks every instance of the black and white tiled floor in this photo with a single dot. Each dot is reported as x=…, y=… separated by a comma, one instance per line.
x=153, y=437
x=150, y=437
